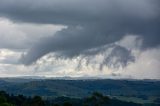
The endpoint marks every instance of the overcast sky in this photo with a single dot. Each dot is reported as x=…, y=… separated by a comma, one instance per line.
x=80, y=38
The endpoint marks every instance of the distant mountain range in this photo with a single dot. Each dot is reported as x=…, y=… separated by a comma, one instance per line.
x=71, y=78
x=30, y=86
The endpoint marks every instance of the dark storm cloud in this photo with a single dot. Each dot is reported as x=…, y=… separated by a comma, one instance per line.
x=91, y=24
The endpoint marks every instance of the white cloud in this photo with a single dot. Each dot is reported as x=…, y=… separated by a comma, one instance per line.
x=9, y=57
x=130, y=42
x=24, y=35
x=146, y=66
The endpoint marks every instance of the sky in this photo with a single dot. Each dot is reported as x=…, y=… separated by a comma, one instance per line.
x=80, y=38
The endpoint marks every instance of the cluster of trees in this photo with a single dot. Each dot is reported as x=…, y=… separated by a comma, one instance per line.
x=157, y=100
x=19, y=100
x=96, y=99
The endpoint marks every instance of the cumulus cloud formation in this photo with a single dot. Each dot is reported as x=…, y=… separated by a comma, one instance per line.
x=110, y=28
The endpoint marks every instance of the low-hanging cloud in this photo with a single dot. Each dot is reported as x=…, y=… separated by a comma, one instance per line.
x=90, y=24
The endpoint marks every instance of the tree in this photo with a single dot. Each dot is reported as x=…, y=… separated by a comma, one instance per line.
x=2, y=99
x=97, y=99
x=6, y=104
x=37, y=101
x=67, y=104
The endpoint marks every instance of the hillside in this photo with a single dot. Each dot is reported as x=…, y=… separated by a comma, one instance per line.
x=96, y=99
x=81, y=88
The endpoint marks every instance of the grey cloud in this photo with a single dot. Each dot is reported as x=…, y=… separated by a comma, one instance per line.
x=119, y=57
x=75, y=11
x=91, y=24
x=114, y=56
